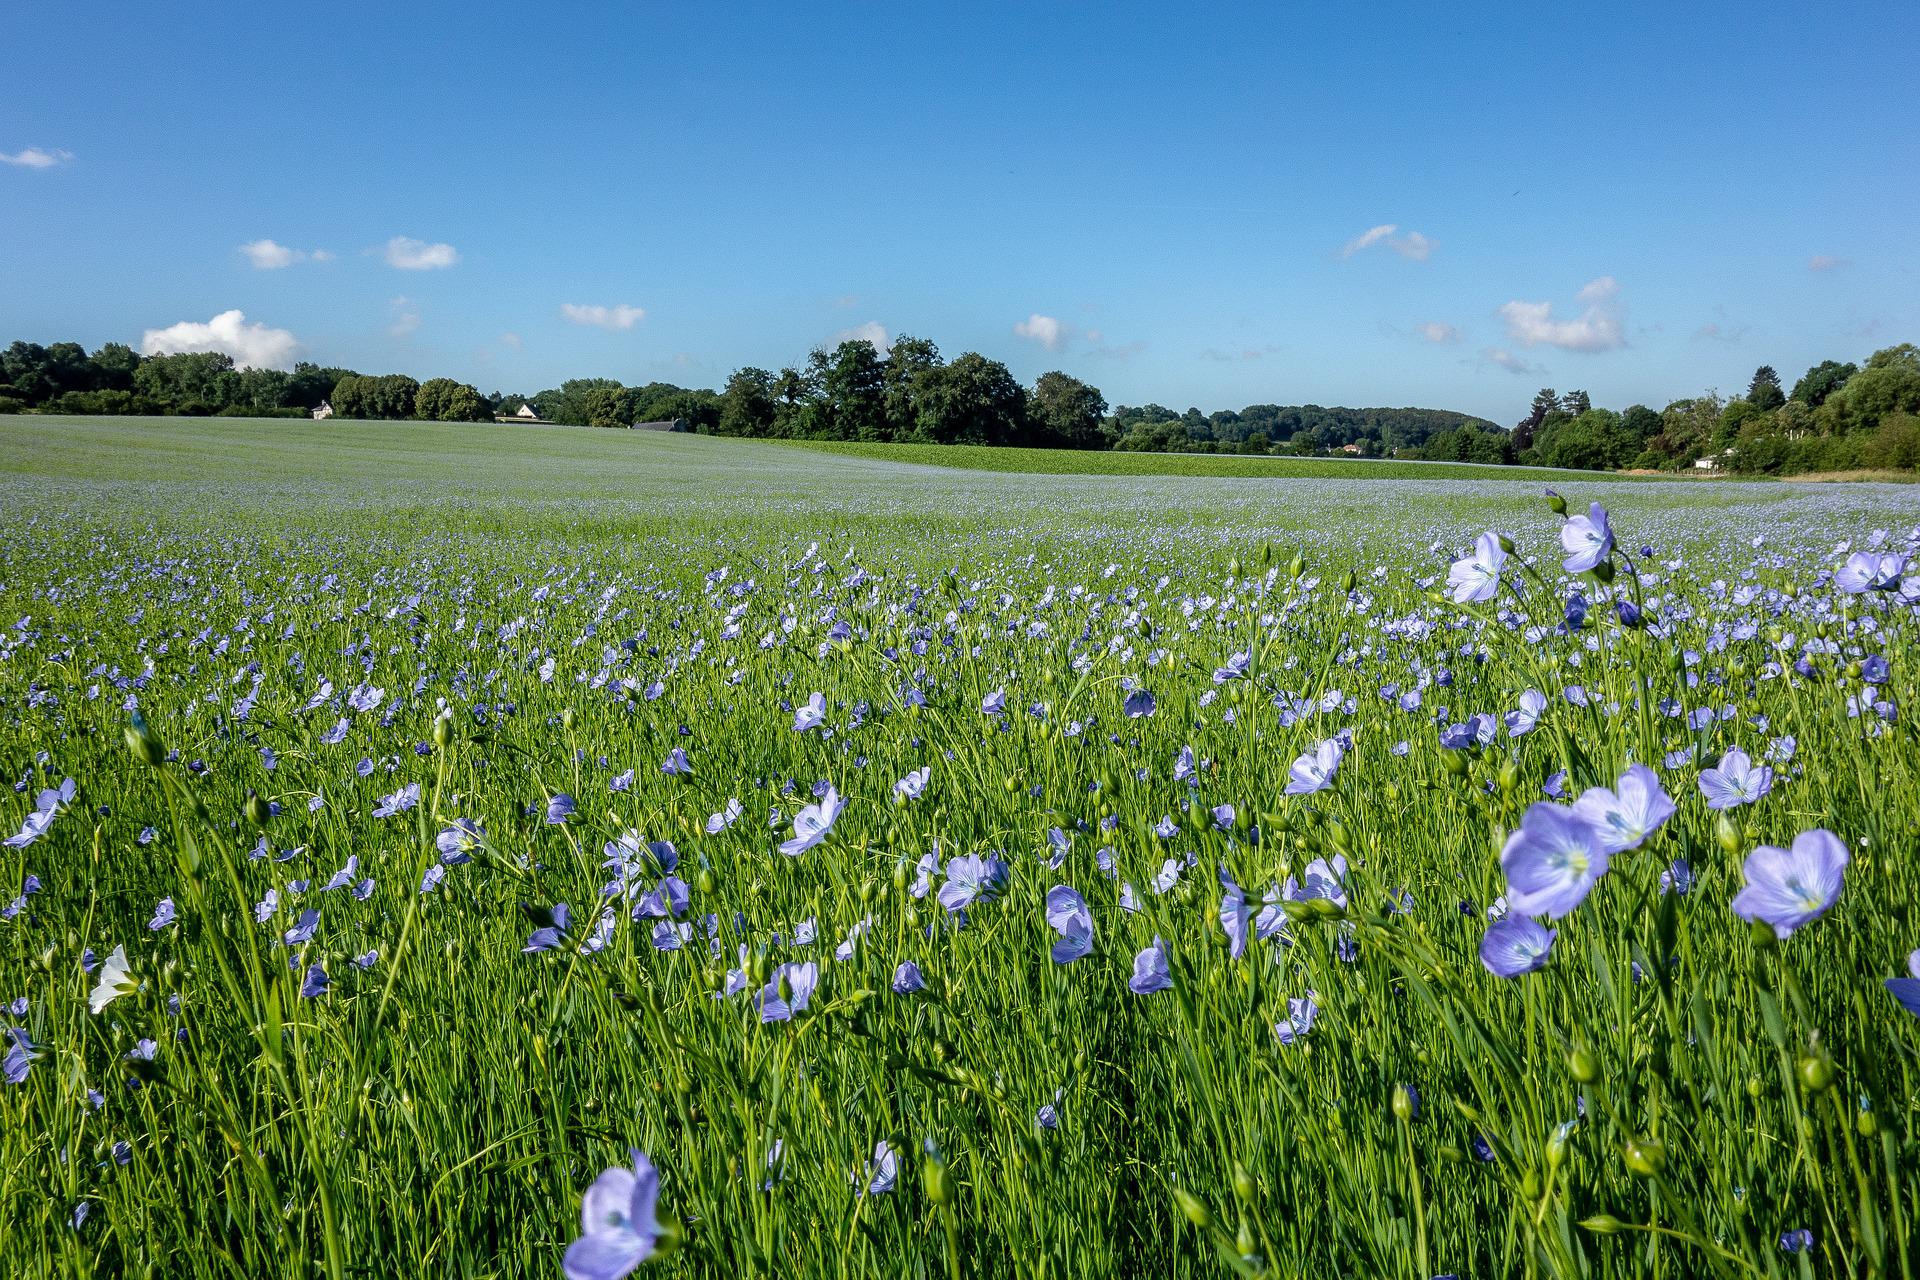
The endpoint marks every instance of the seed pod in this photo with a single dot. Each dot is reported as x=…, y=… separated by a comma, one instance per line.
x=1243, y=1187
x=1602, y=1224
x=1645, y=1156
x=1581, y=1065
x=1815, y=1072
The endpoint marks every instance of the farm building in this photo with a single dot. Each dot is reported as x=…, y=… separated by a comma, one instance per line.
x=670, y=424
x=324, y=411
x=525, y=413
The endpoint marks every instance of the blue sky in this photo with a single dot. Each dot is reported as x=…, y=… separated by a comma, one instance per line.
x=1173, y=203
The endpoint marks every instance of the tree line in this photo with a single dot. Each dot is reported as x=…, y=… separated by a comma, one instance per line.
x=1837, y=417
x=851, y=391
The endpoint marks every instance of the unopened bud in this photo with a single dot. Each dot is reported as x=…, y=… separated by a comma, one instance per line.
x=144, y=742
x=1581, y=1066
x=1196, y=1212
x=939, y=1182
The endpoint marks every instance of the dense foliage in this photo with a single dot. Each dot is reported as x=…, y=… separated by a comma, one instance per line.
x=1838, y=417
x=930, y=872
x=1301, y=430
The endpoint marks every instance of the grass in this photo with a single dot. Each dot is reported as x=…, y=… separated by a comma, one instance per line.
x=388, y=631
x=1086, y=462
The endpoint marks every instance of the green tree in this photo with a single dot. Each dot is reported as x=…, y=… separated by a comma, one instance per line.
x=974, y=400
x=852, y=384
x=1067, y=412
x=609, y=404
x=113, y=367
x=1890, y=383
x=1821, y=381
x=1764, y=393
x=445, y=400
x=195, y=382
x=568, y=402
x=907, y=359
x=747, y=406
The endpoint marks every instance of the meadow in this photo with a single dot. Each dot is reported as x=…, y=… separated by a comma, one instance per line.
x=497, y=851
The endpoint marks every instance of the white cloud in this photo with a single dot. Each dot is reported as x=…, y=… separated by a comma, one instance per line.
x=1439, y=333
x=1826, y=262
x=35, y=158
x=252, y=346
x=1596, y=328
x=406, y=316
x=618, y=317
x=1507, y=360
x=872, y=331
x=1368, y=238
x=265, y=255
x=510, y=340
x=409, y=254
x=1045, y=330
x=1412, y=246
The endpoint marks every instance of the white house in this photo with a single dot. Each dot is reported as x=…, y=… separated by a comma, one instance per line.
x=525, y=413
x=324, y=411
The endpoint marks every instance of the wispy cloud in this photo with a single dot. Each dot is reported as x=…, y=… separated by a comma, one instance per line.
x=1413, y=246
x=35, y=158
x=1826, y=262
x=406, y=316
x=252, y=346
x=1439, y=333
x=619, y=317
x=266, y=255
x=407, y=254
x=1596, y=328
x=1241, y=354
x=1505, y=359
x=1715, y=331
